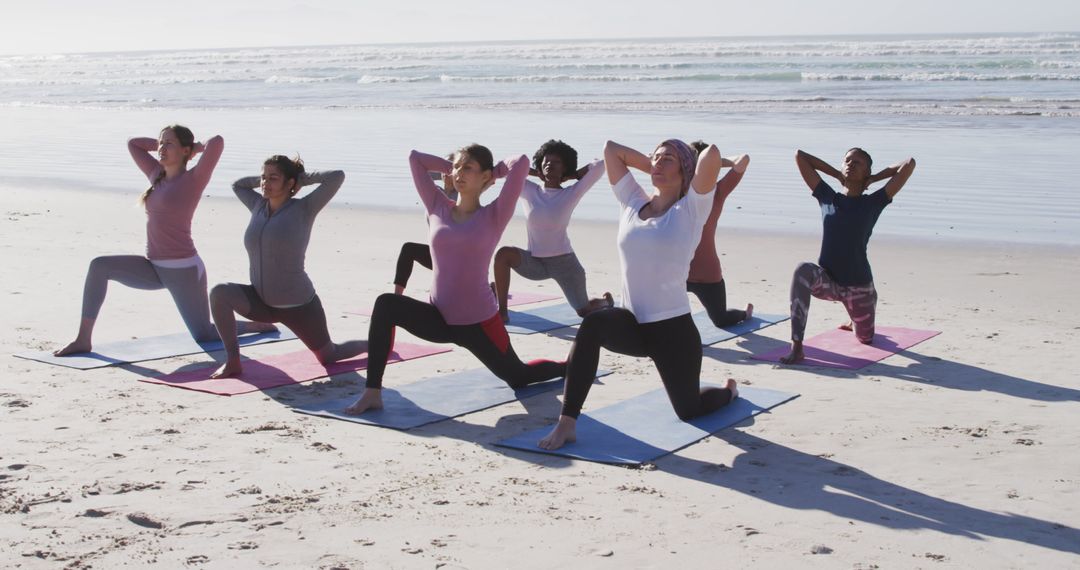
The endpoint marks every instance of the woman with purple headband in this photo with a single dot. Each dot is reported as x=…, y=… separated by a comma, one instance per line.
x=657, y=238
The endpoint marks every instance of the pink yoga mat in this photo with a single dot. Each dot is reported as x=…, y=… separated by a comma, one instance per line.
x=512, y=300
x=282, y=370
x=840, y=349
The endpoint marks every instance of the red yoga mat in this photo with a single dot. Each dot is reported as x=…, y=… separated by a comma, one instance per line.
x=282, y=370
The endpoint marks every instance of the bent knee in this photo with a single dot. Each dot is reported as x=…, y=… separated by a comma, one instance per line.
x=595, y=325
x=220, y=292
x=99, y=265
x=686, y=413
x=386, y=299
x=506, y=254
x=514, y=381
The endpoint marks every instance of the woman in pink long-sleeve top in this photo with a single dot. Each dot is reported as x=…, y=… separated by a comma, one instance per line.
x=463, y=309
x=171, y=261
x=706, y=278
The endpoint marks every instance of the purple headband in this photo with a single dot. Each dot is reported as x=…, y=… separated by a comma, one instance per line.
x=687, y=160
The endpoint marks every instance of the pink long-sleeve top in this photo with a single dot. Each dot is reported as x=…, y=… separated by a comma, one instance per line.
x=705, y=266
x=171, y=205
x=461, y=252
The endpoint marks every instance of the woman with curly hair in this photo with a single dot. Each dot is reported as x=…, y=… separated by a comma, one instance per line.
x=547, y=215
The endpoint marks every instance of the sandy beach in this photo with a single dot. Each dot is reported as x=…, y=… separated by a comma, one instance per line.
x=957, y=453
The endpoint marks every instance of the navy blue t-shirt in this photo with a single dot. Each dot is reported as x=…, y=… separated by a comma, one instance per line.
x=847, y=224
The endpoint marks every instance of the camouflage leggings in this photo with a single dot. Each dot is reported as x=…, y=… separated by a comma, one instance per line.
x=811, y=280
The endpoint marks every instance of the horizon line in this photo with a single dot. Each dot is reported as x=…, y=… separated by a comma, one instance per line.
x=591, y=39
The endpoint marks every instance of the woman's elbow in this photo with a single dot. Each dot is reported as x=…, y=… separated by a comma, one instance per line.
x=611, y=150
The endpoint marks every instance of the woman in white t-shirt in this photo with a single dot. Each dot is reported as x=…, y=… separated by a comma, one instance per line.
x=658, y=234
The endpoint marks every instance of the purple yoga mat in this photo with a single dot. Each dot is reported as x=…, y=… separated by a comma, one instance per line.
x=840, y=349
x=512, y=300
x=281, y=370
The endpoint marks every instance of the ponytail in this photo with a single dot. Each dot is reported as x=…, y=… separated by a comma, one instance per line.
x=157, y=179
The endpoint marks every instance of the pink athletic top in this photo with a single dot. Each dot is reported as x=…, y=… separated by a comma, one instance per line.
x=172, y=203
x=461, y=252
x=548, y=211
x=705, y=267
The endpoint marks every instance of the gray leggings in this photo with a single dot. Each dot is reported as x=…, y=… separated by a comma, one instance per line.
x=565, y=269
x=187, y=286
x=859, y=300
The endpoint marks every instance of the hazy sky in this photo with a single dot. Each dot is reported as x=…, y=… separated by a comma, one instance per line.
x=59, y=26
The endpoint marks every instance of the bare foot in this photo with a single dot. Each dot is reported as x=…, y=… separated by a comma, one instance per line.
x=75, y=347
x=371, y=399
x=846, y=326
x=398, y=289
x=564, y=432
x=749, y=311
x=245, y=327
x=332, y=352
x=796, y=354
x=231, y=368
x=733, y=387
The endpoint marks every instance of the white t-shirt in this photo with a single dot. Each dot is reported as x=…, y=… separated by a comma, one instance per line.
x=548, y=211
x=655, y=254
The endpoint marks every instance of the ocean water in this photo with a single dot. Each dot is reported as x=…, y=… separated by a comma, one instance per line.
x=992, y=120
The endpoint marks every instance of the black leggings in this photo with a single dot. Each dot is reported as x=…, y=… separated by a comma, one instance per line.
x=714, y=297
x=674, y=346
x=487, y=341
x=308, y=321
x=411, y=252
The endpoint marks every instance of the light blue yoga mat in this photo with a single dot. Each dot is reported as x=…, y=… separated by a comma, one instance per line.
x=645, y=427
x=433, y=399
x=542, y=319
x=149, y=348
x=710, y=334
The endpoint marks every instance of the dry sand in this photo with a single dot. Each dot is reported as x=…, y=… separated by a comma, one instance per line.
x=959, y=453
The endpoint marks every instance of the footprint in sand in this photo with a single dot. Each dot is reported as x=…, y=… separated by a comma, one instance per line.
x=145, y=520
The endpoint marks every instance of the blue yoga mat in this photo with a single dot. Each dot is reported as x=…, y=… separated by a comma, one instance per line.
x=542, y=319
x=433, y=399
x=710, y=334
x=149, y=348
x=645, y=427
